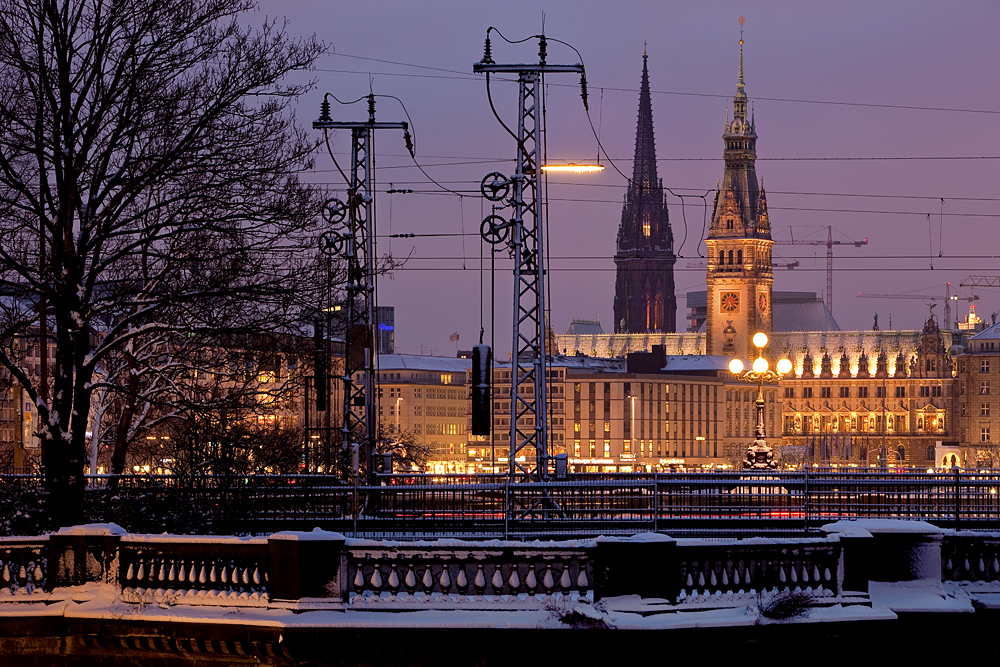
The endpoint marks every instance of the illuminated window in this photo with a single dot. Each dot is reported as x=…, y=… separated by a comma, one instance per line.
x=984, y=409
x=576, y=448
x=646, y=229
x=984, y=387
x=607, y=449
x=984, y=434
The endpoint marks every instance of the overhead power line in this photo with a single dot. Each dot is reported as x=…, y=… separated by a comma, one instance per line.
x=466, y=76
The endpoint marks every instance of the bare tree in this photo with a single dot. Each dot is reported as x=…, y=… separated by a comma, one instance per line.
x=148, y=188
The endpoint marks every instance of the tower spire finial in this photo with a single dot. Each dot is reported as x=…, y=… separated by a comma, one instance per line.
x=644, y=49
x=740, y=82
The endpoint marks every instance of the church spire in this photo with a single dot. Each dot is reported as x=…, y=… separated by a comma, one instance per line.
x=644, y=288
x=644, y=165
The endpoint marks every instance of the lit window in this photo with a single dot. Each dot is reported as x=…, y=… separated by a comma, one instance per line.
x=646, y=229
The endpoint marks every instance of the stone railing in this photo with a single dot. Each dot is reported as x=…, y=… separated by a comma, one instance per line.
x=733, y=570
x=306, y=569
x=23, y=566
x=972, y=559
x=451, y=571
x=194, y=569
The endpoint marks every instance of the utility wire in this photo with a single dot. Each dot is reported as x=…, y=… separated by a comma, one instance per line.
x=873, y=105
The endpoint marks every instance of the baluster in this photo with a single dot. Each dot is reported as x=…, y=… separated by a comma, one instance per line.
x=393, y=578
x=38, y=574
x=826, y=574
x=6, y=573
x=966, y=566
x=725, y=577
x=736, y=573
x=982, y=565
x=256, y=576
x=163, y=571
x=480, y=580
x=701, y=579
x=531, y=582
x=376, y=578
x=461, y=581
x=445, y=580
x=129, y=575
x=172, y=574
x=805, y=573
x=245, y=576
x=359, y=579
x=815, y=572
x=712, y=579
x=548, y=582
x=192, y=575
x=410, y=580
x=234, y=576
x=781, y=574
x=996, y=566
x=582, y=581
x=225, y=574
x=428, y=580
x=142, y=571
x=690, y=581
x=212, y=576
x=565, y=581
x=202, y=579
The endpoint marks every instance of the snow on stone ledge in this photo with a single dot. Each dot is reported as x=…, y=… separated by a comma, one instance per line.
x=314, y=535
x=94, y=529
x=881, y=526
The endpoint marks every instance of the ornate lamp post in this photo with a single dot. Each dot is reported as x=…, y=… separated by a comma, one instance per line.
x=760, y=455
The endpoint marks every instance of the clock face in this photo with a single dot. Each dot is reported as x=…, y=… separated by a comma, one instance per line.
x=730, y=302
x=762, y=301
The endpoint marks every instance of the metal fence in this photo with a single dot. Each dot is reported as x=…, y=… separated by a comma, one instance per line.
x=696, y=504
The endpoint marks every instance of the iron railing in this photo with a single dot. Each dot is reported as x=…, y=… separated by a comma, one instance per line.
x=697, y=504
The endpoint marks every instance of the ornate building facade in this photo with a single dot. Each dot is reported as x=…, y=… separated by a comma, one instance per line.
x=739, y=242
x=644, y=289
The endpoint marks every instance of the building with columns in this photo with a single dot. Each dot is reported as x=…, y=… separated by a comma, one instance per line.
x=644, y=287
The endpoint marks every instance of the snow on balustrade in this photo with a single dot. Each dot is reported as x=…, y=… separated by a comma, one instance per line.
x=455, y=572
x=735, y=571
x=971, y=559
x=192, y=571
x=23, y=567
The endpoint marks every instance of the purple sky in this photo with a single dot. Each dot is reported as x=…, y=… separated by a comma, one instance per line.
x=926, y=54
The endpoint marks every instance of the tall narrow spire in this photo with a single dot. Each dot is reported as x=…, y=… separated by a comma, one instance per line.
x=740, y=100
x=644, y=290
x=644, y=165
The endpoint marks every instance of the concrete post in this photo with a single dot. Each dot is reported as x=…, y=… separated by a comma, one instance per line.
x=307, y=565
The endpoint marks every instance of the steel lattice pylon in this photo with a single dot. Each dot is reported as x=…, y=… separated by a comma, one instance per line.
x=529, y=427
x=352, y=237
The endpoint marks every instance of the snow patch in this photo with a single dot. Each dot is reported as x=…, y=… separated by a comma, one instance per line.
x=94, y=529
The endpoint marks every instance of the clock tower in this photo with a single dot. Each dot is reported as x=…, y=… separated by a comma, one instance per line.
x=739, y=242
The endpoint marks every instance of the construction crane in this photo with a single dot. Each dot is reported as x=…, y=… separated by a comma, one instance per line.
x=829, y=243
x=947, y=298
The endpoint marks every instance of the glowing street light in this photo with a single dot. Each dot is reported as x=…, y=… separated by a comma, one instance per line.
x=572, y=168
x=759, y=454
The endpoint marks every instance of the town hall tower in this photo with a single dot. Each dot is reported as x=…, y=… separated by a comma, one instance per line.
x=739, y=242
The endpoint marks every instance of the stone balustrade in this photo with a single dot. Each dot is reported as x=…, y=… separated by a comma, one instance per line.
x=23, y=566
x=324, y=568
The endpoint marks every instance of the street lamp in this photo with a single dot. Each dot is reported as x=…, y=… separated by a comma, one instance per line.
x=760, y=455
x=398, y=399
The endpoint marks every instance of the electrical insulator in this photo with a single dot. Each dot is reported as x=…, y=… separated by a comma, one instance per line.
x=324, y=110
x=319, y=366
x=409, y=140
x=583, y=90
x=488, y=52
x=482, y=362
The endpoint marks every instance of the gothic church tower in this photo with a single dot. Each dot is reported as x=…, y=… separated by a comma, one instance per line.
x=739, y=242
x=644, y=288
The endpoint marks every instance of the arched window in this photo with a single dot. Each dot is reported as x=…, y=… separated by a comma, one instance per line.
x=930, y=452
x=901, y=453
x=722, y=257
x=739, y=256
x=730, y=256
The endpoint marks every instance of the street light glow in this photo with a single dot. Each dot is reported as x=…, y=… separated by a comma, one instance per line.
x=736, y=366
x=760, y=339
x=573, y=168
x=759, y=364
x=784, y=366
